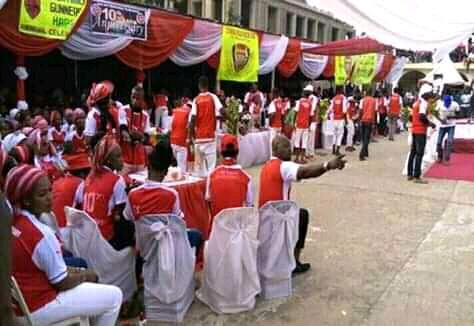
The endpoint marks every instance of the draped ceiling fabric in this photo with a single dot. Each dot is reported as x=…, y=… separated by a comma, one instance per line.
x=22, y=44
x=348, y=47
x=417, y=25
x=165, y=33
x=199, y=45
x=83, y=45
x=289, y=63
x=312, y=65
x=272, y=51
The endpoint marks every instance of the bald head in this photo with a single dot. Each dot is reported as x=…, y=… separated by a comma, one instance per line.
x=281, y=148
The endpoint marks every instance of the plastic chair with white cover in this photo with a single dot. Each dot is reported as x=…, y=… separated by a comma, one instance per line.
x=277, y=234
x=82, y=237
x=168, y=268
x=230, y=277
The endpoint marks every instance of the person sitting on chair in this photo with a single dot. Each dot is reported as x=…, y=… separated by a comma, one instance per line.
x=52, y=292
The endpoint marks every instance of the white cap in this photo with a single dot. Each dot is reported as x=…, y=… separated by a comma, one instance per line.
x=309, y=88
x=13, y=113
x=13, y=139
x=22, y=105
x=425, y=89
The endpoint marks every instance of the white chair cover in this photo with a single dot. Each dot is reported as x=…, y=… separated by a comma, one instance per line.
x=169, y=267
x=82, y=237
x=277, y=234
x=230, y=278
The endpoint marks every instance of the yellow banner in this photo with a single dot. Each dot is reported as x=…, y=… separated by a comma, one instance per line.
x=239, y=59
x=340, y=74
x=364, y=69
x=53, y=19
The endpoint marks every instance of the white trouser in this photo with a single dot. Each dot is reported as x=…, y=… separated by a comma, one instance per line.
x=338, y=126
x=301, y=138
x=350, y=132
x=100, y=301
x=205, y=157
x=160, y=114
x=273, y=133
x=181, y=155
x=311, y=138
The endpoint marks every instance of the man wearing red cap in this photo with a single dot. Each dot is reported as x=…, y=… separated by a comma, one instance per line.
x=228, y=185
x=204, y=114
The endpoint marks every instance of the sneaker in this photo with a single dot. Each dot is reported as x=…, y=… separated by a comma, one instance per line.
x=409, y=178
x=421, y=181
x=301, y=268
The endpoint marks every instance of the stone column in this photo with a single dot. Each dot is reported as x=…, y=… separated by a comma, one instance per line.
x=293, y=25
x=304, y=28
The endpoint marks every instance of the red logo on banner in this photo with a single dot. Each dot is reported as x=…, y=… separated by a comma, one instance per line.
x=33, y=7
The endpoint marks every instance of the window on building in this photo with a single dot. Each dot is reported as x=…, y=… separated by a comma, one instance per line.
x=181, y=7
x=197, y=8
x=349, y=35
x=217, y=10
x=321, y=33
x=334, y=34
x=272, y=19
x=289, y=24
x=246, y=12
x=300, y=26
x=311, y=32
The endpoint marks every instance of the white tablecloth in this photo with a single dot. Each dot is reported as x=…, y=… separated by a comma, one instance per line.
x=254, y=148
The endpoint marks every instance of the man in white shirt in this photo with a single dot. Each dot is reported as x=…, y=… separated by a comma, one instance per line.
x=447, y=112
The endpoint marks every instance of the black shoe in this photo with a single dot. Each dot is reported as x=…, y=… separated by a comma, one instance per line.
x=301, y=268
x=410, y=178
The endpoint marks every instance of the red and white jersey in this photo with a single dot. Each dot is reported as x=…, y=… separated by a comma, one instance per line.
x=79, y=144
x=276, y=178
x=138, y=122
x=47, y=164
x=278, y=108
x=64, y=194
x=229, y=186
x=338, y=107
x=179, y=126
x=93, y=121
x=394, y=104
x=206, y=108
x=38, y=261
x=254, y=98
x=368, y=109
x=99, y=195
x=304, y=111
x=56, y=137
x=381, y=105
x=68, y=129
x=152, y=198
x=160, y=101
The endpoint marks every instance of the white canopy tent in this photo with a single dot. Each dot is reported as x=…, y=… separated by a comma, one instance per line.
x=418, y=25
x=449, y=73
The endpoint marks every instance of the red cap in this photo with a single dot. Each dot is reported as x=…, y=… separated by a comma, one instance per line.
x=229, y=140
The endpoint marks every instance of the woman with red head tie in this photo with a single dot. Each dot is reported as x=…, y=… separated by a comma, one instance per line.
x=103, y=194
x=55, y=134
x=51, y=291
x=45, y=156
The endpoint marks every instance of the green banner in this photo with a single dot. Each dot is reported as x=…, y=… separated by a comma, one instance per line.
x=239, y=60
x=340, y=74
x=53, y=19
x=364, y=69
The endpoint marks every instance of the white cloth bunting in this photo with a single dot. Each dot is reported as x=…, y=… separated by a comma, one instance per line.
x=379, y=65
x=311, y=65
x=201, y=43
x=272, y=51
x=83, y=45
x=397, y=70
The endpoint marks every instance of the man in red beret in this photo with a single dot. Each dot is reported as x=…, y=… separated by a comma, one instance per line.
x=228, y=185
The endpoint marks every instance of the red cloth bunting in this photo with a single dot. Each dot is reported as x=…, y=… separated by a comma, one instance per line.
x=388, y=61
x=329, y=70
x=165, y=33
x=349, y=47
x=23, y=44
x=289, y=64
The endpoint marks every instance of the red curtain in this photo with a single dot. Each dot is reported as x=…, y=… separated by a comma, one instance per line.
x=165, y=33
x=387, y=64
x=23, y=44
x=349, y=47
x=215, y=59
x=329, y=70
x=289, y=64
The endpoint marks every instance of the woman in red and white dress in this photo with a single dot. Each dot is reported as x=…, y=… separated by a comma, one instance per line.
x=45, y=155
x=55, y=133
x=76, y=149
x=52, y=292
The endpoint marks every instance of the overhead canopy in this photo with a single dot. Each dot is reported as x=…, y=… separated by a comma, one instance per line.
x=348, y=47
x=449, y=72
x=418, y=25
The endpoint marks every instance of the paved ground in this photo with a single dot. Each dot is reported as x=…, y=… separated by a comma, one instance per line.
x=383, y=251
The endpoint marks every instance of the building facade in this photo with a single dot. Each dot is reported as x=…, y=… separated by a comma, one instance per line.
x=293, y=18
